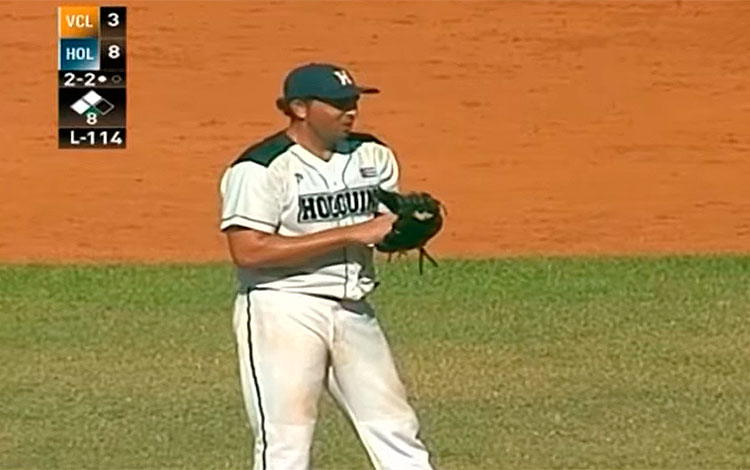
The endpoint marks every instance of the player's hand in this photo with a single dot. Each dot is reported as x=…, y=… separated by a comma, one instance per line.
x=373, y=231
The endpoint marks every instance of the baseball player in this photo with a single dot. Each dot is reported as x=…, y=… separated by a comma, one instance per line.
x=300, y=214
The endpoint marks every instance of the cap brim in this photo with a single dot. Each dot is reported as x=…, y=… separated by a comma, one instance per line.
x=367, y=90
x=350, y=92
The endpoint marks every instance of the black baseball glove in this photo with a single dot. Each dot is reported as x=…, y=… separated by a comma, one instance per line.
x=419, y=219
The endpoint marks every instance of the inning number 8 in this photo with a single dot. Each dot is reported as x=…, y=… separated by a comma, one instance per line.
x=91, y=118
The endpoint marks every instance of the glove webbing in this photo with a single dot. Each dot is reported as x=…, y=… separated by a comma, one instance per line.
x=422, y=256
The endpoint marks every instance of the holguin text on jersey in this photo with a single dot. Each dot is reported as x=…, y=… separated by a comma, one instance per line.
x=337, y=205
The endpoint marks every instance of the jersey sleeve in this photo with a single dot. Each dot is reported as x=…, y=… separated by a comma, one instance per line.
x=388, y=176
x=389, y=172
x=249, y=198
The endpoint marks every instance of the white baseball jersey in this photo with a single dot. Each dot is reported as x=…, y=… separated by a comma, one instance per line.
x=277, y=186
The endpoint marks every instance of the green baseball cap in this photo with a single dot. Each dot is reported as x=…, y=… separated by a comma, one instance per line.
x=325, y=81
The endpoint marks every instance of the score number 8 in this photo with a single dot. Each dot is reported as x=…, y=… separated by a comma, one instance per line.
x=113, y=51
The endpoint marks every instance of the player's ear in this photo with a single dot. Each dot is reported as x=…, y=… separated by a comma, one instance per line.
x=283, y=106
x=297, y=108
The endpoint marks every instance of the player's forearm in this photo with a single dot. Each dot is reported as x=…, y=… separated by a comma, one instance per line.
x=277, y=250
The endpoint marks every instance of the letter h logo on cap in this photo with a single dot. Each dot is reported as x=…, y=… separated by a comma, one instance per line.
x=343, y=77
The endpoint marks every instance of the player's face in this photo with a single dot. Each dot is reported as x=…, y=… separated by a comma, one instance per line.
x=332, y=119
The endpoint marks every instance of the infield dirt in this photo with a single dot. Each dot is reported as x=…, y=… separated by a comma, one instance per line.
x=546, y=127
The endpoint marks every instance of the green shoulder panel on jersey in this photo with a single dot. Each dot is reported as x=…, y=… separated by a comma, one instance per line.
x=265, y=151
x=354, y=140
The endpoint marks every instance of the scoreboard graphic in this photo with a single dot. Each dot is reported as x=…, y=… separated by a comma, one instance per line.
x=91, y=77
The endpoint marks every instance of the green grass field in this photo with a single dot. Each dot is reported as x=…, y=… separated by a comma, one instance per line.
x=519, y=363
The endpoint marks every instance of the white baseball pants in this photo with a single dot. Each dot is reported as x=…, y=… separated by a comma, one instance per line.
x=292, y=345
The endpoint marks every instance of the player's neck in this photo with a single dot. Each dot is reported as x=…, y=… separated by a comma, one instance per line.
x=308, y=139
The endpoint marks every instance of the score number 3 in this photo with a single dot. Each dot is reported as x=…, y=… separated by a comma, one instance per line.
x=113, y=20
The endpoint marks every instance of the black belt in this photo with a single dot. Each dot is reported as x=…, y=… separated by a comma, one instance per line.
x=320, y=296
x=328, y=297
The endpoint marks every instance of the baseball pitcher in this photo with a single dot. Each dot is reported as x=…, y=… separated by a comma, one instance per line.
x=302, y=212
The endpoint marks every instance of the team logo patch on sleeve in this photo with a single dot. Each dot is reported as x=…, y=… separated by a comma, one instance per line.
x=368, y=172
x=337, y=205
